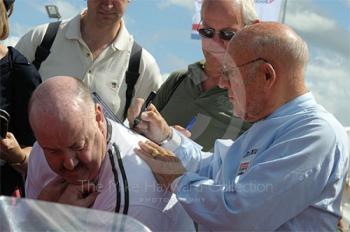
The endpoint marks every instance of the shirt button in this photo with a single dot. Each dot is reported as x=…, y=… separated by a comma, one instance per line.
x=90, y=71
x=114, y=85
x=87, y=54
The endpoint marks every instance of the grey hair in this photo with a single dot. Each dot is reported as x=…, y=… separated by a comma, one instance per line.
x=249, y=13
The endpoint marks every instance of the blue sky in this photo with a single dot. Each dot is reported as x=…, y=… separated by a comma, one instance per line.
x=163, y=27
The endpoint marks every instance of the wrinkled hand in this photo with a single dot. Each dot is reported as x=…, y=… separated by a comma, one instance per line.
x=166, y=167
x=11, y=151
x=83, y=195
x=152, y=125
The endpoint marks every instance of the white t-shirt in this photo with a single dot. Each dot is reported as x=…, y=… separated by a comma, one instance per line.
x=70, y=56
x=157, y=209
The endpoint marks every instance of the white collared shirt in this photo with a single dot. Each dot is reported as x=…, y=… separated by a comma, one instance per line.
x=70, y=56
x=148, y=203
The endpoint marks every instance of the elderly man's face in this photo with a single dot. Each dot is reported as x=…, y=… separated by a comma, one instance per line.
x=221, y=16
x=107, y=11
x=74, y=148
x=242, y=79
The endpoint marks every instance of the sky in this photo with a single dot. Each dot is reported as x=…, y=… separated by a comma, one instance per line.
x=163, y=27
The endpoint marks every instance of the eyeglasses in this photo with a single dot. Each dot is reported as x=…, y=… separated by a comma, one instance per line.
x=210, y=32
x=228, y=72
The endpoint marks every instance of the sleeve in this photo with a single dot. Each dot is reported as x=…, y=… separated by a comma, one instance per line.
x=196, y=161
x=28, y=43
x=32, y=185
x=150, y=78
x=25, y=78
x=285, y=179
x=39, y=173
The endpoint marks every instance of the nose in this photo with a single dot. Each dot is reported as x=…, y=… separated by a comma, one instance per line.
x=70, y=161
x=108, y=4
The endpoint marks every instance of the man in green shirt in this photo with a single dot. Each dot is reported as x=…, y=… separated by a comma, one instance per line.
x=192, y=98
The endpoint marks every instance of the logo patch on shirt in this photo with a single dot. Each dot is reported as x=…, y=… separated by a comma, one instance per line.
x=245, y=162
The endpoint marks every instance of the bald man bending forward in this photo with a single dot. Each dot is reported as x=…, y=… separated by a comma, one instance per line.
x=80, y=158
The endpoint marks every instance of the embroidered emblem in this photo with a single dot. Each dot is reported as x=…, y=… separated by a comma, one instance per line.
x=245, y=162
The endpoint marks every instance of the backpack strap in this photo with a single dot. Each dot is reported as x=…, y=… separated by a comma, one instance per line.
x=132, y=75
x=180, y=76
x=43, y=50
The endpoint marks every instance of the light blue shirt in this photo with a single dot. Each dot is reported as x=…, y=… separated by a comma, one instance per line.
x=285, y=173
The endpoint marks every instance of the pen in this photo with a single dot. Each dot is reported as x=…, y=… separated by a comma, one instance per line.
x=191, y=123
x=144, y=107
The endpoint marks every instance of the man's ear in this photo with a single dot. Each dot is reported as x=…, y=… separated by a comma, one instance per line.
x=269, y=75
x=99, y=114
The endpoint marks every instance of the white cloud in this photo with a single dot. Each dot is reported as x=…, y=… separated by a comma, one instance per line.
x=187, y=4
x=320, y=30
x=327, y=77
x=328, y=71
x=306, y=21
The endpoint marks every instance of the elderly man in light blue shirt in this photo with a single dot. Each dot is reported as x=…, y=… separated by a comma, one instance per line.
x=286, y=172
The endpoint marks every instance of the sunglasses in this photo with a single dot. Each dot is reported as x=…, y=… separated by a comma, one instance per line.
x=210, y=32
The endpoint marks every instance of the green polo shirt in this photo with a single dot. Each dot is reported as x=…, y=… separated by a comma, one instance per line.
x=211, y=109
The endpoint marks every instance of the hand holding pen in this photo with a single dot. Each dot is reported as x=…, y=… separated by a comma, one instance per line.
x=144, y=107
x=147, y=120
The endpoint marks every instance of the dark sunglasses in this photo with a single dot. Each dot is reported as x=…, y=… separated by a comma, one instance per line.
x=210, y=32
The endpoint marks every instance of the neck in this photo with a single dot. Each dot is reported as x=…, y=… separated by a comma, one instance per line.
x=212, y=78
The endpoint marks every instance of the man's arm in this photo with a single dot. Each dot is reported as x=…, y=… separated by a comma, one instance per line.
x=28, y=43
x=150, y=78
x=284, y=180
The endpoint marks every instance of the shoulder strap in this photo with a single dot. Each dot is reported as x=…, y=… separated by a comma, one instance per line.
x=177, y=83
x=132, y=74
x=180, y=76
x=43, y=50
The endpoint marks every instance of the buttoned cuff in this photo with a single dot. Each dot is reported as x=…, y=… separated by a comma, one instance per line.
x=173, y=142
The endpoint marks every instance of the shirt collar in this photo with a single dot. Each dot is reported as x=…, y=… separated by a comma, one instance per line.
x=301, y=102
x=121, y=42
x=196, y=72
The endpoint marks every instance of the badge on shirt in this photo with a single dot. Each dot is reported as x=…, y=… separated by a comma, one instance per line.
x=245, y=162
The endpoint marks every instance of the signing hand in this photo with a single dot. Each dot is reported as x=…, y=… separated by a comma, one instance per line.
x=166, y=167
x=152, y=124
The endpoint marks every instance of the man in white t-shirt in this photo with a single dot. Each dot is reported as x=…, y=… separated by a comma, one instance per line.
x=82, y=159
x=95, y=47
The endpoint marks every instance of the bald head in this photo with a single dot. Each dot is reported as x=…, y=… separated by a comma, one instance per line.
x=61, y=98
x=275, y=42
x=264, y=68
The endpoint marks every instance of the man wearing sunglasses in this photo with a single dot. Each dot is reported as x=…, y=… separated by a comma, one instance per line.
x=192, y=97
